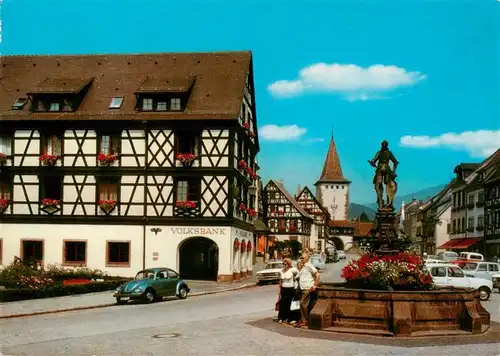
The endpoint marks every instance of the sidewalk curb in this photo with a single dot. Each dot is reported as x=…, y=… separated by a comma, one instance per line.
x=99, y=306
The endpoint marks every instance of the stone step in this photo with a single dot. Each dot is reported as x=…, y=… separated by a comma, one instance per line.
x=351, y=330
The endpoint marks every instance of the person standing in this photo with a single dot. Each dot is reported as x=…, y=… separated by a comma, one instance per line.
x=308, y=282
x=286, y=291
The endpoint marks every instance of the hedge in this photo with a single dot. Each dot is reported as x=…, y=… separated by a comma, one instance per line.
x=57, y=290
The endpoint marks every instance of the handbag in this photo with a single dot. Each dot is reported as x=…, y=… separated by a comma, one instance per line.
x=295, y=305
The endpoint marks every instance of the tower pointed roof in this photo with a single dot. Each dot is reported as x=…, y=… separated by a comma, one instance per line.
x=332, y=171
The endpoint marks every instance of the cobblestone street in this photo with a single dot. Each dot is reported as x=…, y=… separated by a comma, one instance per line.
x=215, y=324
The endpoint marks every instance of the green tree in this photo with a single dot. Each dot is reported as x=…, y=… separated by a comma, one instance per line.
x=364, y=217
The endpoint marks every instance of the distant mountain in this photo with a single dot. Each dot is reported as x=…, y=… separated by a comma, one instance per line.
x=422, y=194
x=355, y=211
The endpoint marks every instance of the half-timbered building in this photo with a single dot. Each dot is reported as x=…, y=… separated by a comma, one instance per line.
x=121, y=162
x=286, y=218
x=320, y=215
x=490, y=175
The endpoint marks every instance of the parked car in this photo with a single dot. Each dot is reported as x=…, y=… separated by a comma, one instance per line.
x=447, y=256
x=450, y=275
x=152, y=284
x=318, y=262
x=341, y=254
x=271, y=273
x=496, y=281
x=480, y=269
x=471, y=256
x=430, y=260
x=331, y=254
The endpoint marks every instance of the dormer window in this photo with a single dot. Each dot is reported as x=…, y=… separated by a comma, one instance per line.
x=147, y=104
x=175, y=104
x=54, y=106
x=161, y=106
x=19, y=103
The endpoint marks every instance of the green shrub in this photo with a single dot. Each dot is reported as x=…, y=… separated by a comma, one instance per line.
x=57, y=290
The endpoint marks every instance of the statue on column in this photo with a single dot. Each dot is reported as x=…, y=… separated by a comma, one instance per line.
x=384, y=174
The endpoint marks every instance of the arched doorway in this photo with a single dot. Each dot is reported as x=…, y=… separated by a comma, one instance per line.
x=337, y=241
x=199, y=259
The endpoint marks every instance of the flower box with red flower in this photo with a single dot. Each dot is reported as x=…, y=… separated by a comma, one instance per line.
x=47, y=202
x=251, y=173
x=107, y=205
x=48, y=160
x=3, y=158
x=246, y=126
x=251, y=134
x=242, y=165
x=243, y=208
x=4, y=203
x=186, y=204
x=106, y=159
x=281, y=212
x=186, y=159
x=251, y=212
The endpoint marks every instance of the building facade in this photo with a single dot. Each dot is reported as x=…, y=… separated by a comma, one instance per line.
x=491, y=182
x=124, y=162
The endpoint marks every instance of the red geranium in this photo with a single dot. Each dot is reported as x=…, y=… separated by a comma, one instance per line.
x=243, y=207
x=48, y=160
x=246, y=125
x=251, y=212
x=50, y=202
x=3, y=158
x=242, y=165
x=108, y=158
x=186, y=158
x=186, y=204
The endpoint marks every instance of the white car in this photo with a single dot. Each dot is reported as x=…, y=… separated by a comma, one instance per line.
x=450, y=275
x=271, y=273
x=318, y=262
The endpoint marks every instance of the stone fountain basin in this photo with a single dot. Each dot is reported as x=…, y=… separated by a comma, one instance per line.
x=398, y=313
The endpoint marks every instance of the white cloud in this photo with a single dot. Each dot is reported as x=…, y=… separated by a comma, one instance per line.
x=316, y=139
x=281, y=133
x=481, y=143
x=354, y=82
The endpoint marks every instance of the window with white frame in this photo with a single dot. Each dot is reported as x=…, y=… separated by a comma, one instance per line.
x=52, y=145
x=147, y=104
x=161, y=106
x=175, y=104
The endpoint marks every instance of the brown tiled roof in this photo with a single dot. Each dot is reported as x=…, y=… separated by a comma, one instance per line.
x=60, y=86
x=291, y=199
x=332, y=171
x=166, y=85
x=342, y=223
x=363, y=229
x=217, y=91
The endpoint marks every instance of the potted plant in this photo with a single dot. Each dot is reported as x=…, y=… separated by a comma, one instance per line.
x=186, y=204
x=47, y=202
x=107, y=205
x=242, y=165
x=4, y=203
x=106, y=159
x=246, y=126
x=186, y=159
x=3, y=158
x=251, y=212
x=48, y=160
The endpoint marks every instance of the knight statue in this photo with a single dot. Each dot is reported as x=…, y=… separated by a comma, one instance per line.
x=384, y=174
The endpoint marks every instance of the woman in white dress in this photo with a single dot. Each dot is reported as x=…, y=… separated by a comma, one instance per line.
x=286, y=291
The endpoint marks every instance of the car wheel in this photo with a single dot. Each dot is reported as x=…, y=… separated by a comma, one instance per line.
x=484, y=293
x=121, y=301
x=149, y=295
x=183, y=293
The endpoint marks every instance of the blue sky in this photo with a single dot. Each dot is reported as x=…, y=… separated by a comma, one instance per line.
x=433, y=93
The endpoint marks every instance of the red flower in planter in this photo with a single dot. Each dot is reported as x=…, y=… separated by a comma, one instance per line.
x=50, y=202
x=243, y=207
x=281, y=212
x=107, y=205
x=242, y=165
x=186, y=204
x=3, y=158
x=186, y=158
x=251, y=212
x=3, y=204
x=48, y=160
x=246, y=125
x=106, y=159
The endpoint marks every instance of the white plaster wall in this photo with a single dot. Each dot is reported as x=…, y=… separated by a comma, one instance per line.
x=334, y=197
x=441, y=234
x=23, y=143
x=240, y=235
x=133, y=139
x=96, y=236
x=159, y=190
x=88, y=140
x=24, y=201
x=160, y=146
x=167, y=242
x=220, y=186
x=88, y=194
x=127, y=195
x=221, y=137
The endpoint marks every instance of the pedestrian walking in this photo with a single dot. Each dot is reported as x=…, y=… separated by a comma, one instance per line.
x=308, y=282
x=286, y=291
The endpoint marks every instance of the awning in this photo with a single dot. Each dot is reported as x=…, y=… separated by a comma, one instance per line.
x=450, y=243
x=259, y=226
x=465, y=243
